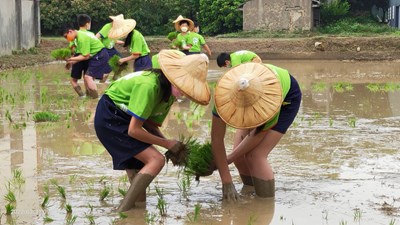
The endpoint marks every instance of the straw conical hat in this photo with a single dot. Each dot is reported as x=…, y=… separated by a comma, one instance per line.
x=248, y=95
x=120, y=26
x=179, y=19
x=187, y=73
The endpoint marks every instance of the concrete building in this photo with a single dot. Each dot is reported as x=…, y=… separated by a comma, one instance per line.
x=393, y=14
x=276, y=15
x=19, y=25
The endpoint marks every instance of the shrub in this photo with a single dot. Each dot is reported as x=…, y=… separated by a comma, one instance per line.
x=334, y=10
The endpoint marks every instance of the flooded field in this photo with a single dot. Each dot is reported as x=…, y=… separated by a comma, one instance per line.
x=338, y=164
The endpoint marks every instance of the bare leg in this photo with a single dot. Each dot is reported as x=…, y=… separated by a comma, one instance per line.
x=241, y=163
x=91, y=87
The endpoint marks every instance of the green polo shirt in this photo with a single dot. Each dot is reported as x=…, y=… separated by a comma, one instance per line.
x=107, y=42
x=88, y=43
x=138, y=44
x=196, y=40
x=242, y=56
x=140, y=95
x=182, y=40
x=284, y=79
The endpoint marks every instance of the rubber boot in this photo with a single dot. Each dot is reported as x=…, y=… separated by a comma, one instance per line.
x=79, y=91
x=142, y=196
x=264, y=188
x=247, y=180
x=139, y=184
x=92, y=93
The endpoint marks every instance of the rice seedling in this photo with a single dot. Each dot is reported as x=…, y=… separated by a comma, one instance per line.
x=45, y=117
x=357, y=215
x=199, y=157
x=61, y=191
x=343, y=86
x=17, y=176
x=352, y=122
x=330, y=121
x=343, y=222
x=45, y=201
x=319, y=87
x=47, y=219
x=72, y=178
x=196, y=213
x=161, y=203
x=102, y=179
x=91, y=219
x=61, y=53
x=10, y=197
x=392, y=222
x=68, y=208
x=70, y=219
x=122, y=215
x=116, y=67
x=184, y=185
x=9, y=208
x=104, y=193
x=122, y=191
x=150, y=218
x=373, y=87
x=8, y=116
x=43, y=94
x=90, y=208
x=252, y=220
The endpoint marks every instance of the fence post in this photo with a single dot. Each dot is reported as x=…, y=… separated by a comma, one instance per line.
x=18, y=22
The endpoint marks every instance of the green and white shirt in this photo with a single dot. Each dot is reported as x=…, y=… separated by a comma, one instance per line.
x=107, y=42
x=242, y=56
x=196, y=40
x=88, y=43
x=138, y=44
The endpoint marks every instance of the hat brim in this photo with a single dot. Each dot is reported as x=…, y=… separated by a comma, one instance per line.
x=251, y=107
x=125, y=27
x=180, y=72
x=178, y=28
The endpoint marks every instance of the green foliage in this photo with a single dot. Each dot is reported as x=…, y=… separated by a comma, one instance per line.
x=45, y=116
x=199, y=157
x=220, y=16
x=355, y=25
x=61, y=53
x=334, y=10
x=116, y=67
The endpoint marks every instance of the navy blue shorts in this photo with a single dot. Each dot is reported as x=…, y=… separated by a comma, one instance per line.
x=142, y=63
x=193, y=53
x=98, y=65
x=112, y=52
x=78, y=69
x=288, y=112
x=111, y=125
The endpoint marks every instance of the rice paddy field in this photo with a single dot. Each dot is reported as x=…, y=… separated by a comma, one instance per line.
x=339, y=163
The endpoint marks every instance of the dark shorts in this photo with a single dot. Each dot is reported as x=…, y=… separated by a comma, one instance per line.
x=112, y=52
x=142, y=63
x=185, y=51
x=288, y=112
x=98, y=65
x=193, y=53
x=111, y=125
x=79, y=68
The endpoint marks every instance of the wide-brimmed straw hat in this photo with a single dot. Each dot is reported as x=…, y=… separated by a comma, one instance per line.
x=187, y=73
x=248, y=95
x=181, y=18
x=120, y=26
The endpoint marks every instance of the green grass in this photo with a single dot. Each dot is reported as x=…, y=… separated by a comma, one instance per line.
x=45, y=117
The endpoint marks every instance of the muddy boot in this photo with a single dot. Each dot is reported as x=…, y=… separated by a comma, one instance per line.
x=104, y=79
x=142, y=196
x=139, y=184
x=79, y=91
x=247, y=180
x=92, y=93
x=264, y=188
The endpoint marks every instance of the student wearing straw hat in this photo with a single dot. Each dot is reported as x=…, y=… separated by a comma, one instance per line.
x=129, y=114
x=134, y=41
x=108, y=42
x=261, y=102
x=184, y=26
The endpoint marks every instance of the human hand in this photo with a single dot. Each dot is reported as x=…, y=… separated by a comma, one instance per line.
x=177, y=154
x=68, y=66
x=229, y=192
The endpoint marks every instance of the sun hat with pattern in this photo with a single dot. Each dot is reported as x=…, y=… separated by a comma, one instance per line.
x=181, y=18
x=121, y=27
x=248, y=95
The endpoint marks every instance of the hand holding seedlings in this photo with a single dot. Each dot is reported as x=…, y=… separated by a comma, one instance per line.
x=177, y=154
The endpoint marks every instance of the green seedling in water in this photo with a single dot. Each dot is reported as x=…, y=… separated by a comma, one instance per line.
x=72, y=178
x=184, y=185
x=104, y=193
x=61, y=191
x=122, y=215
x=47, y=219
x=91, y=219
x=122, y=191
x=330, y=122
x=196, y=214
x=116, y=67
x=342, y=222
x=45, y=117
x=9, y=208
x=70, y=220
x=150, y=218
x=61, y=53
x=252, y=220
x=319, y=87
x=17, y=176
x=43, y=94
x=161, y=203
x=68, y=208
x=45, y=201
x=10, y=197
x=392, y=222
x=352, y=122
x=373, y=87
x=357, y=215
x=342, y=87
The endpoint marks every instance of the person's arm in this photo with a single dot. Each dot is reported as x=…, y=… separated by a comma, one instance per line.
x=129, y=58
x=98, y=35
x=136, y=131
x=205, y=46
x=78, y=58
x=248, y=143
x=120, y=42
x=152, y=128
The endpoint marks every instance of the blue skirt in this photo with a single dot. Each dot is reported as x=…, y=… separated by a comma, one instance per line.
x=111, y=125
x=98, y=65
x=142, y=63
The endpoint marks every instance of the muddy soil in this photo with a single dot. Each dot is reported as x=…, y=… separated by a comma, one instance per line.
x=338, y=48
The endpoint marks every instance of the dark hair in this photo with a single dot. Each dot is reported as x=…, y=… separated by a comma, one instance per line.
x=184, y=21
x=165, y=84
x=222, y=58
x=83, y=19
x=65, y=28
x=196, y=24
x=128, y=39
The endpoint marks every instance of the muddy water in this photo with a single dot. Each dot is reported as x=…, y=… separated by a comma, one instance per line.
x=338, y=163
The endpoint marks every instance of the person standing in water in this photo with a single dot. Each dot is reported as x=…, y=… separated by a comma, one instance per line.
x=129, y=114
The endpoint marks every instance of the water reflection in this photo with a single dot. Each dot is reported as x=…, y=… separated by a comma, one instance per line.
x=340, y=154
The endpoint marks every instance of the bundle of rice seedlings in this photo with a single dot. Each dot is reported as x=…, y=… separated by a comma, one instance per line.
x=199, y=157
x=116, y=67
x=61, y=53
x=172, y=35
x=45, y=116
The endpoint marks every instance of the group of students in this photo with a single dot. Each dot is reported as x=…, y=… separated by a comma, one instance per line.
x=260, y=100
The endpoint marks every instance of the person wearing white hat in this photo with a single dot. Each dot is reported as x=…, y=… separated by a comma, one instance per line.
x=129, y=114
x=135, y=42
x=261, y=102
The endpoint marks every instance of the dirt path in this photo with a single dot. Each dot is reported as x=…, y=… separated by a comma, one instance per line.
x=335, y=48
